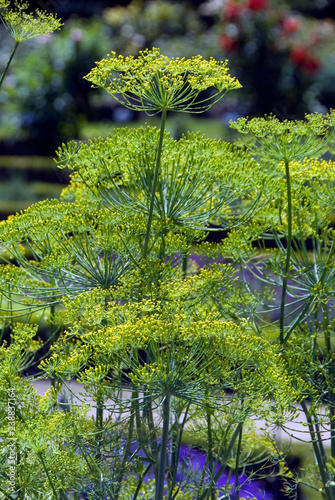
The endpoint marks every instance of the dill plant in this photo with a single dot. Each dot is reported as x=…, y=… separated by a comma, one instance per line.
x=300, y=269
x=160, y=345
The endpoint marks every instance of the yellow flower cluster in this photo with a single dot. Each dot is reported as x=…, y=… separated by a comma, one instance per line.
x=310, y=169
x=272, y=126
x=181, y=346
x=24, y=26
x=287, y=140
x=153, y=82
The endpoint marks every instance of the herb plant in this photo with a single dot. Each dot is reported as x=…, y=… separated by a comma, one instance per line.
x=163, y=343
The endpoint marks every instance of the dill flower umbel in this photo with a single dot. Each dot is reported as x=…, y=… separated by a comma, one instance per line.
x=22, y=25
x=152, y=82
x=288, y=140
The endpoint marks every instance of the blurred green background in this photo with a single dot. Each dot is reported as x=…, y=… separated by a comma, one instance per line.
x=281, y=51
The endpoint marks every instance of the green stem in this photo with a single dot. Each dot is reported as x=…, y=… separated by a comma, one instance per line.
x=288, y=251
x=176, y=452
x=126, y=452
x=2, y=332
x=297, y=320
x=237, y=464
x=48, y=475
x=226, y=455
x=326, y=330
x=152, y=435
x=147, y=441
x=52, y=336
x=154, y=184
x=99, y=414
x=147, y=416
x=8, y=63
x=164, y=444
x=98, y=424
x=215, y=476
x=331, y=377
x=184, y=266
x=318, y=454
x=210, y=450
x=140, y=482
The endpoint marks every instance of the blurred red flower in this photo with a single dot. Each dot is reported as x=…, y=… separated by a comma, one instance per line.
x=257, y=5
x=304, y=60
x=232, y=10
x=227, y=43
x=291, y=24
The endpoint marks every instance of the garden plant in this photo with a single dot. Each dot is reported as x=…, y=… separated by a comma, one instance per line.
x=170, y=336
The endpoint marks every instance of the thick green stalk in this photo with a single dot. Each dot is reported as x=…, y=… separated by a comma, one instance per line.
x=326, y=330
x=153, y=438
x=9, y=63
x=225, y=457
x=164, y=444
x=237, y=465
x=154, y=184
x=99, y=424
x=184, y=266
x=318, y=454
x=215, y=476
x=99, y=413
x=176, y=453
x=52, y=336
x=210, y=450
x=331, y=369
x=332, y=413
x=140, y=482
x=288, y=251
x=147, y=416
x=48, y=475
x=127, y=449
x=143, y=438
x=2, y=333
x=152, y=435
x=99, y=438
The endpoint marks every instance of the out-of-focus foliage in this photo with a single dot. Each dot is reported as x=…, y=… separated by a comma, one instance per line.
x=171, y=26
x=44, y=96
x=284, y=58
